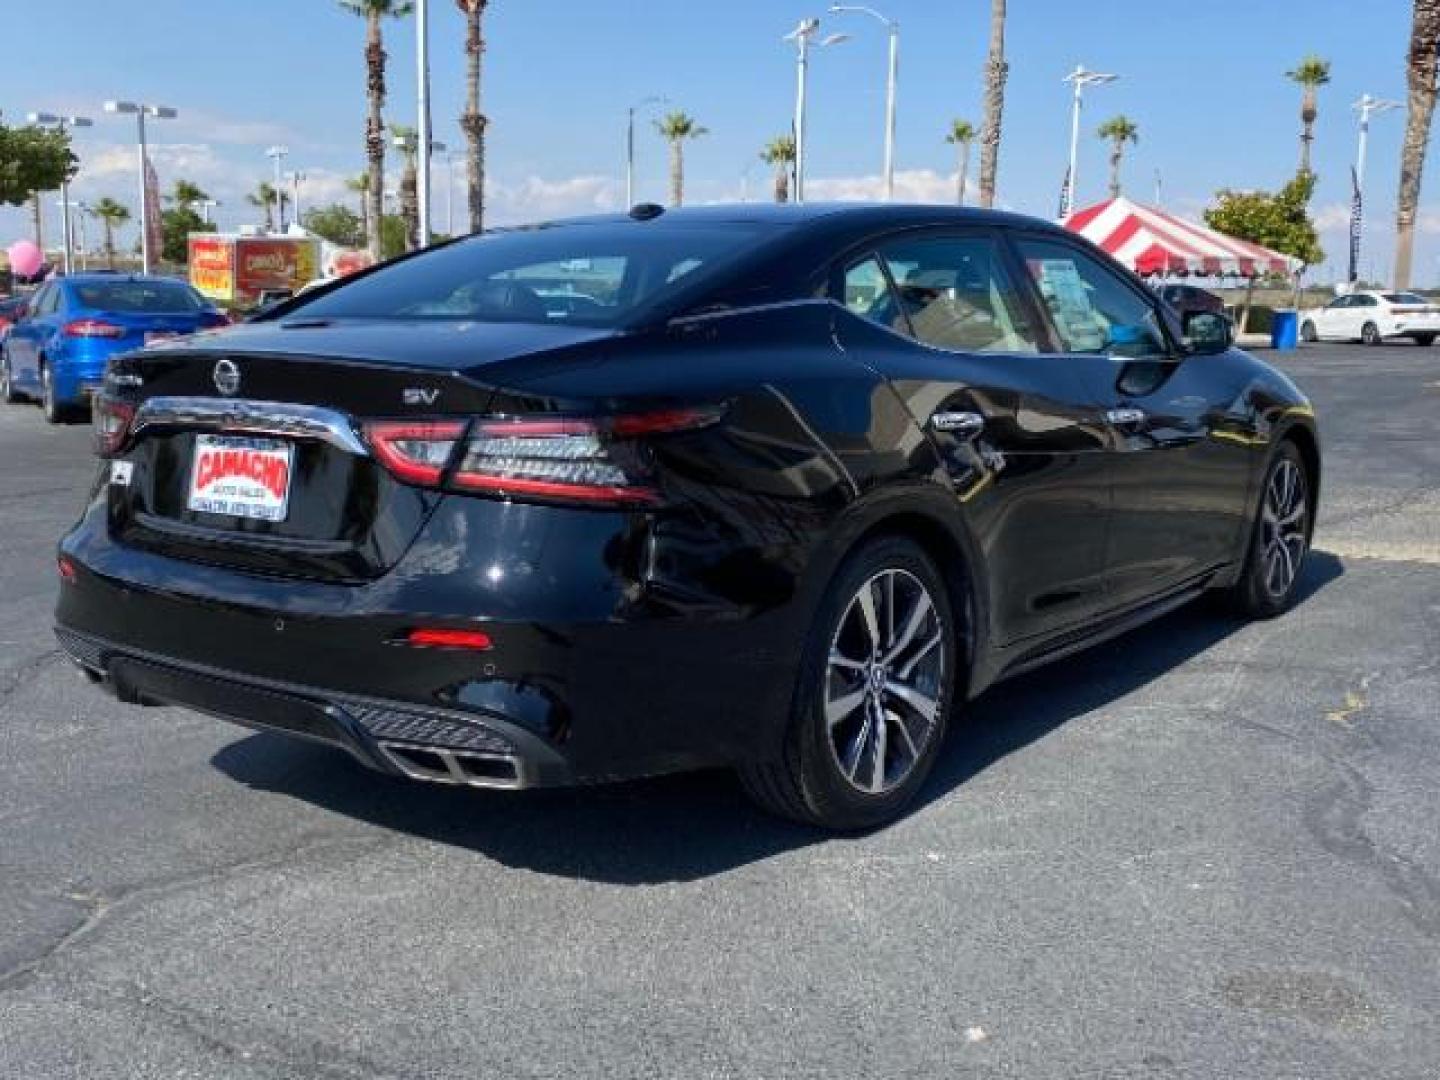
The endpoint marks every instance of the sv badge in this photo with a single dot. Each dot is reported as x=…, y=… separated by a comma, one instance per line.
x=417, y=396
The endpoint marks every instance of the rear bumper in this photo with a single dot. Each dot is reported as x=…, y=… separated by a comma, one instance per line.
x=392, y=737
x=590, y=677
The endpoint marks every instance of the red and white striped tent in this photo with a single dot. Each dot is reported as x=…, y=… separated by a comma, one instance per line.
x=1150, y=241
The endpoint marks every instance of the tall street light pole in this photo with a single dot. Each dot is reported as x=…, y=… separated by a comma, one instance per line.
x=422, y=126
x=892, y=78
x=1366, y=106
x=1079, y=79
x=64, y=123
x=206, y=205
x=278, y=154
x=140, y=111
x=653, y=99
x=803, y=35
x=296, y=179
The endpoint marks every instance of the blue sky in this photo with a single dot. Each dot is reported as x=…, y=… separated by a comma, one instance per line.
x=1204, y=82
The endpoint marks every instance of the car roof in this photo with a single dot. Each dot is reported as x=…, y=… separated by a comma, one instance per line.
x=782, y=217
x=99, y=277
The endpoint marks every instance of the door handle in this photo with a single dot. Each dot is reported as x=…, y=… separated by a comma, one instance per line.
x=965, y=425
x=1125, y=418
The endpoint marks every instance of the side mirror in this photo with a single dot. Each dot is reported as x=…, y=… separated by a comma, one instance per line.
x=1207, y=333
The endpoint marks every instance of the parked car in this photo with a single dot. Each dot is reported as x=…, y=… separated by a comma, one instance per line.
x=57, y=352
x=805, y=482
x=10, y=310
x=1373, y=317
x=1189, y=299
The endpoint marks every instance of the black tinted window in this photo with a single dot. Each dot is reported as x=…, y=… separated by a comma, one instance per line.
x=136, y=297
x=595, y=275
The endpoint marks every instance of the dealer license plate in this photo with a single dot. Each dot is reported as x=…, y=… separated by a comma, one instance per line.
x=241, y=477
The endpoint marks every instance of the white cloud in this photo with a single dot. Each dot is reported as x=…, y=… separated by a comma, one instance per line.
x=1332, y=217
x=536, y=198
x=911, y=186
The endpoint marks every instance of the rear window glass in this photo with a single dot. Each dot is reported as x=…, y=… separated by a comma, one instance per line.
x=592, y=275
x=139, y=297
x=1405, y=298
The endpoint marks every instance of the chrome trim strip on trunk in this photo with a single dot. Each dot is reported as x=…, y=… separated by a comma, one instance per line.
x=246, y=417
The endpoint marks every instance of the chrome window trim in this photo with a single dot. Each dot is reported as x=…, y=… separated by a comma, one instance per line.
x=282, y=418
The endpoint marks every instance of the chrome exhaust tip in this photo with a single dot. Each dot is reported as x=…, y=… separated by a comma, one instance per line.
x=442, y=765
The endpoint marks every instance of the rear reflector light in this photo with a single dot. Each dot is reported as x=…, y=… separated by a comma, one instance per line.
x=415, y=452
x=92, y=328
x=112, y=424
x=66, y=568
x=448, y=639
x=593, y=461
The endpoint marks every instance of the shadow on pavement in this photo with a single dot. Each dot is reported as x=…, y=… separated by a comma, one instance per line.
x=681, y=828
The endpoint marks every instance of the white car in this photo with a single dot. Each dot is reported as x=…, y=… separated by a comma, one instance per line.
x=1372, y=317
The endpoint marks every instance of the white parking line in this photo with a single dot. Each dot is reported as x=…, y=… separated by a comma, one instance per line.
x=1382, y=550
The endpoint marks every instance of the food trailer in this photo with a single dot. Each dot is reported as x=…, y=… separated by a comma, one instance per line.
x=236, y=269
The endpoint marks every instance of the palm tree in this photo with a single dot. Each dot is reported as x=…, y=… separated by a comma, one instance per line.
x=996, y=70
x=263, y=198
x=360, y=185
x=780, y=152
x=186, y=195
x=676, y=129
x=1311, y=73
x=407, y=141
x=472, y=121
x=1421, y=73
x=1119, y=130
x=962, y=134
x=374, y=12
x=112, y=215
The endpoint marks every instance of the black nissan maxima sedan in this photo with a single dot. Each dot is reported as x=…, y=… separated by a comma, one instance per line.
x=774, y=488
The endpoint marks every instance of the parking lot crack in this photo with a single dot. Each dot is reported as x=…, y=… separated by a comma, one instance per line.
x=104, y=907
x=22, y=675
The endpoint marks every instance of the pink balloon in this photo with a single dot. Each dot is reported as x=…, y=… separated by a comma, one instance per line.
x=25, y=258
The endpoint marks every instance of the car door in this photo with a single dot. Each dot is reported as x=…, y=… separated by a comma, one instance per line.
x=1331, y=320
x=1022, y=444
x=23, y=344
x=1180, y=440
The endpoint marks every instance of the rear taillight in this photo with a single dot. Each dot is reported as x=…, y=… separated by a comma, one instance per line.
x=92, y=328
x=593, y=461
x=416, y=452
x=112, y=419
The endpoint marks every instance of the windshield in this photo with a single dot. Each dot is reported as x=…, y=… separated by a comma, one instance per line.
x=589, y=275
x=138, y=297
x=1405, y=298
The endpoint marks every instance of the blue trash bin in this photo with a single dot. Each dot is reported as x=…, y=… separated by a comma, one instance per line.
x=1284, y=330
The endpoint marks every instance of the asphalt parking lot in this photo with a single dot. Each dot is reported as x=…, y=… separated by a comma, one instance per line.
x=1207, y=849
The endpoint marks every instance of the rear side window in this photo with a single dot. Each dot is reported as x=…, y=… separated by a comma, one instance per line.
x=1093, y=309
x=1405, y=298
x=955, y=294
x=137, y=297
x=588, y=274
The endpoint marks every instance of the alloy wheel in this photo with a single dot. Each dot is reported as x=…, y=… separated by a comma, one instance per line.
x=884, y=681
x=1284, y=526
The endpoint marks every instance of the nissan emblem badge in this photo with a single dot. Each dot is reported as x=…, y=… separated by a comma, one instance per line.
x=227, y=377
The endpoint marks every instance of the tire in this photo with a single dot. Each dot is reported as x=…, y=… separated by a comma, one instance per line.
x=55, y=412
x=1424, y=339
x=1370, y=334
x=1308, y=333
x=8, y=392
x=827, y=773
x=1280, y=539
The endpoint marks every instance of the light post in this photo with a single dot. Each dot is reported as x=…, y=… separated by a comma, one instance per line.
x=64, y=123
x=278, y=154
x=206, y=205
x=653, y=99
x=296, y=179
x=422, y=126
x=140, y=111
x=892, y=78
x=83, y=211
x=449, y=193
x=1079, y=79
x=1366, y=106
x=803, y=35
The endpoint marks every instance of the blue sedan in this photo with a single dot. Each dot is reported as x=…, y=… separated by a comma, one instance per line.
x=57, y=352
